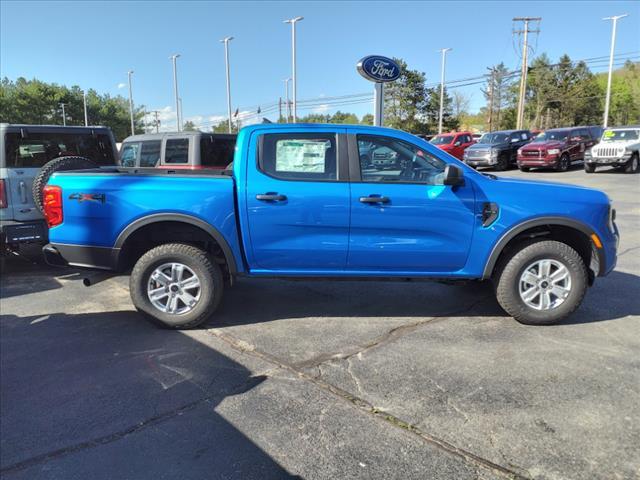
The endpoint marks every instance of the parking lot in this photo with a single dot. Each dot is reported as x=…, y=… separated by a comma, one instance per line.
x=319, y=379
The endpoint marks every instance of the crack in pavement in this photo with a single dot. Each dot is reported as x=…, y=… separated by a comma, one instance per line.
x=385, y=338
x=154, y=420
x=513, y=472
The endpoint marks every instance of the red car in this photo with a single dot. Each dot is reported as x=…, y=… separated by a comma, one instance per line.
x=453, y=143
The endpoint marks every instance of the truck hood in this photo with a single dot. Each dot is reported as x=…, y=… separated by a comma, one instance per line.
x=530, y=189
x=487, y=146
x=544, y=145
x=622, y=144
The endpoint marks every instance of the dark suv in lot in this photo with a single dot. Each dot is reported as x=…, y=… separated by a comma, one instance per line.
x=497, y=149
x=558, y=148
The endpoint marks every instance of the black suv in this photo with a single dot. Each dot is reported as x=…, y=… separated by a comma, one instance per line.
x=497, y=149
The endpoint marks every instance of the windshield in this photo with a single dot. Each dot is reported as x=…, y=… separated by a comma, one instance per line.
x=493, y=138
x=618, y=135
x=38, y=148
x=442, y=140
x=558, y=135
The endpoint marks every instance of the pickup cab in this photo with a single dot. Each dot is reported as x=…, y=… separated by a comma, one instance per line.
x=300, y=201
x=194, y=150
x=454, y=143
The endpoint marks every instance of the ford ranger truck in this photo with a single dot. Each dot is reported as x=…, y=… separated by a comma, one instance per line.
x=557, y=148
x=301, y=201
x=619, y=147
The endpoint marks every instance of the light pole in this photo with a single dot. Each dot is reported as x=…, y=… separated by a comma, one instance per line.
x=287, y=108
x=226, y=41
x=64, y=117
x=173, y=58
x=133, y=129
x=293, y=22
x=613, y=47
x=86, y=117
x=444, y=56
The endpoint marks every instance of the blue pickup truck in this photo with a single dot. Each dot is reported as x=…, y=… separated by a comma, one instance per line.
x=305, y=201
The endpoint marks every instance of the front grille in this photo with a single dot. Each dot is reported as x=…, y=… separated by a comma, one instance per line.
x=533, y=153
x=606, y=152
x=477, y=153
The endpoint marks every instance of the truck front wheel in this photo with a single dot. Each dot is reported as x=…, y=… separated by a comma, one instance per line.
x=176, y=284
x=541, y=283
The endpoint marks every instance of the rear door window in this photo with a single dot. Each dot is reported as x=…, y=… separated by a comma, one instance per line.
x=177, y=151
x=36, y=149
x=150, y=153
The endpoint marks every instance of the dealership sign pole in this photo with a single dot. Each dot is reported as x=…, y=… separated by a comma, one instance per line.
x=379, y=70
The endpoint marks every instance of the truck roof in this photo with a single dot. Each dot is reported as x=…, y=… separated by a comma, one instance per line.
x=161, y=135
x=7, y=126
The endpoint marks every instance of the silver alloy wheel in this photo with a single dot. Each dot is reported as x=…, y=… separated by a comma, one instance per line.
x=174, y=288
x=545, y=284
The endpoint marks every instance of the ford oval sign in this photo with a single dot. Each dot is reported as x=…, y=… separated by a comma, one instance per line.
x=378, y=69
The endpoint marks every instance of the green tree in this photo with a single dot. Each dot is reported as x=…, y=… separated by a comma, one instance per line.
x=343, y=117
x=405, y=101
x=37, y=102
x=367, y=119
x=500, y=111
x=189, y=126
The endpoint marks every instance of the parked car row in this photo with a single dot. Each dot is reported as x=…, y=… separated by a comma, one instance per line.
x=557, y=148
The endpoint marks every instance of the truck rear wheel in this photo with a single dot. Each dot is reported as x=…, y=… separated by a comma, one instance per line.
x=59, y=164
x=176, y=284
x=541, y=283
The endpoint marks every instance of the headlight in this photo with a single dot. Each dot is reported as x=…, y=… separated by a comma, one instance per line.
x=587, y=153
x=494, y=153
x=519, y=151
x=553, y=151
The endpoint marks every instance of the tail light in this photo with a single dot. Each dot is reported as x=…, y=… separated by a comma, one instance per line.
x=3, y=194
x=53, y=205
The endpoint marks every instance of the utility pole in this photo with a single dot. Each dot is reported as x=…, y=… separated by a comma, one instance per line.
x=615, y=19
x=444, y=56
x=523, y=76
x=64, y=117
x=173, y=58
x=226, y=41
x=491, y=87
x=279, y=108
x=293, y=22
x=286, y=95
x=157, y=123
x=84, y=100
x=133, y=128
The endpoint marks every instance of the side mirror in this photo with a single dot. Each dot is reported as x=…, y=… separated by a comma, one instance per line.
x=457, y=144
x=575, y=139
x=453, y=176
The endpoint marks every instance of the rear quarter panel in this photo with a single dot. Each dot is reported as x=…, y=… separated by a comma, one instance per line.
x=128, y=198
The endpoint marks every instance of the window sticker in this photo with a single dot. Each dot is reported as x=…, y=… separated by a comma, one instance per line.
x=609, y=134
x=301, y=155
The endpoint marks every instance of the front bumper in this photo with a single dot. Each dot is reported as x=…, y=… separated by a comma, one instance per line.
x=14, y=233
x=483, y=161
x=546, y=161
x=607, y=161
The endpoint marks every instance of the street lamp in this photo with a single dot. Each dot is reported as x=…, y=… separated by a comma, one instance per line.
x=613, y=46
x=444, y=56
x=133, y=129
x=287, y=108
x=64, y=117
x=293, y=22
x=173, y=58
x=86, y=117
x=226, y=41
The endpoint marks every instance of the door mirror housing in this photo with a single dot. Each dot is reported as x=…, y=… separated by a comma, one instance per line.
x=453, y=176
x=457, y=144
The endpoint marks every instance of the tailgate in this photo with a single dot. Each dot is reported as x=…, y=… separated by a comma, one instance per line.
x=18, y=184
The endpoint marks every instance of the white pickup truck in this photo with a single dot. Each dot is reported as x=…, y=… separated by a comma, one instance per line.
x=619, y=147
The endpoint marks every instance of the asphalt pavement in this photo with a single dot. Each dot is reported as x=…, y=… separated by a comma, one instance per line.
x=316, y=379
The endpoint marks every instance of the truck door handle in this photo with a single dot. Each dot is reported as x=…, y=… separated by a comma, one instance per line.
x=372, y=199
x=271, y=197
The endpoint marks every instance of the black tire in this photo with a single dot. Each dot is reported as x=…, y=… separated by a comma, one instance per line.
x=563, y=163
x=56, y=165
x=524, y=169
x=503, y=163
x=509, y=271
x=201, y=264
x=589, y=168
x=632, y=165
